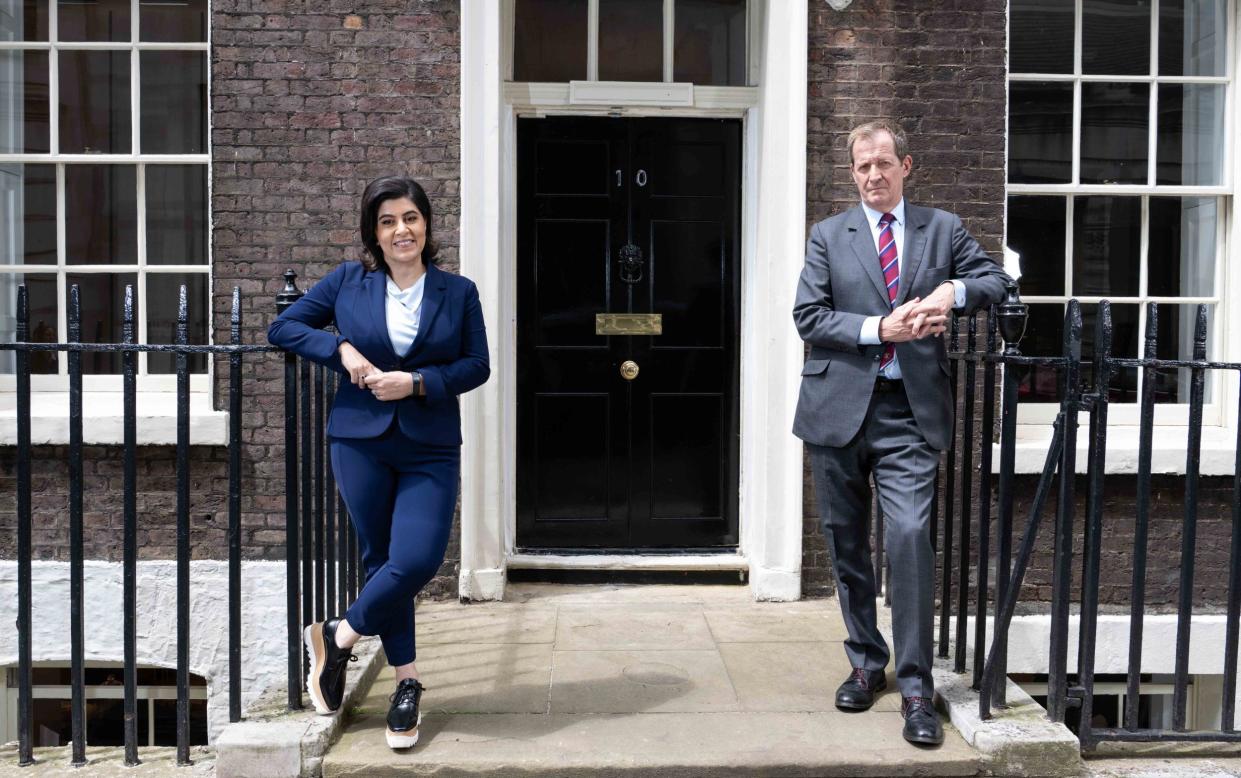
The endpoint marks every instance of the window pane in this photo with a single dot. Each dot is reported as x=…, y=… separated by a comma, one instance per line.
x=1043, y=338
x=174, y=102
x=23, y=102
x=101, y=215
x=27, y=214
x=176, y=197
x=94, y=102
x=1181, y=256
x=1190, y=144
x=549, y=41
x=1036, y=232
x=92, y=20
x=1106, y=243
x=41, y=301
x=1114, y=131
x=631, y=40
x=23, y=21
x=166, y=722
x=1193, y=37
x=1041, y=36
x=163, y=297
x=185, y=20
x=709, y=47
x=1040, y=126
x=1123, y=385
x=102, y=298
x=1175, y=329
x=1116, y=37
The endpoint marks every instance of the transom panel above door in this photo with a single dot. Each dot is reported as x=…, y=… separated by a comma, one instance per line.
x=628, y=313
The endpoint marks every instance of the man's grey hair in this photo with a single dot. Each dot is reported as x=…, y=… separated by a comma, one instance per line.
x=870, y=129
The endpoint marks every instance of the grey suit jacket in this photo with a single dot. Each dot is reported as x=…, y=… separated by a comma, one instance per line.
x=842, y=284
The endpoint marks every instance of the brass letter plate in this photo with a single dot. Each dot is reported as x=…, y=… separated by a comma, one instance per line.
x=629, y=323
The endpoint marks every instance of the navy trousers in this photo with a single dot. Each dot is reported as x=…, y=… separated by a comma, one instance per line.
x=401, y=497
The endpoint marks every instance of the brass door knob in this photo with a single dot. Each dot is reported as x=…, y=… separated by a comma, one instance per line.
x=629, y=370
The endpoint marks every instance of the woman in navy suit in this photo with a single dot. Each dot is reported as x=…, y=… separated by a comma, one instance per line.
x=410, y=338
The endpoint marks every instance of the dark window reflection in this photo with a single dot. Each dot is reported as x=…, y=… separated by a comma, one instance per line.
x=27, y=23
x=1190, y=144
x=631, y=40
x=176, y=198
x=1036, y=232
x=1043, y=338
x=41, y=306
x=174, y=102
x=1114, y=133
x=1176, y=327
x=102, y=297
x=1040, y=140
x=94, y=102
x=101, y=214
x=1180, y=258
x=1106, y=244
x=92, y=20
x=709, y=45
x=166, y=722
x=1040, y=35
x=36, y=235
x=1116, y=37
x=24, y=105
x=163, y=300
x=185, y=20
x=549, y=41
x=1123, y=384
x=1193, y=37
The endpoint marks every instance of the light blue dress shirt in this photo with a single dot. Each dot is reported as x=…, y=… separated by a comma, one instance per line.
x=402, y=310
x=869, y=336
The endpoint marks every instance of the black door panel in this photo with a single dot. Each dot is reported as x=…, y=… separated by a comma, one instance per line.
x=605, y=462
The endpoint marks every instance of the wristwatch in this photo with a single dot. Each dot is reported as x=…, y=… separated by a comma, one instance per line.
x=417, y=384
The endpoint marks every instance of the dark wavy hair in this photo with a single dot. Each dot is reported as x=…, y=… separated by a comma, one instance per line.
x=392, y=188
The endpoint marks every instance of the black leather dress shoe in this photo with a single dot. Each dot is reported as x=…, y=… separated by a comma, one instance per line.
x=859, y=689
x=404, y=715
x=325, y=680
x=921, y=722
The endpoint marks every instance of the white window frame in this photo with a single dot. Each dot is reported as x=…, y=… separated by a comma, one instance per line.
x=1176, y=414
x=632, y=98
x=199, y=382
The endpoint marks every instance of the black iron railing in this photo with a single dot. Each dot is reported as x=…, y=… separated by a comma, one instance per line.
x=1077, y=394
x=322, y=572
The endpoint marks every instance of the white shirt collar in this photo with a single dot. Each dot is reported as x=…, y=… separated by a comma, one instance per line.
x=872, y=216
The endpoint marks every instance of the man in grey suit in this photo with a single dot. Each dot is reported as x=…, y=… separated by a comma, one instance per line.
x=876, y=291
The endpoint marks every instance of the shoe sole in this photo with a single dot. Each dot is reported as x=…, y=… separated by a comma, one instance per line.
x=925, y=741
x=313, y=638
x=849, y=706
x=403, y=739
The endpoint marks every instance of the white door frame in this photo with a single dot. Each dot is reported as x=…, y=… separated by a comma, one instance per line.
x=773, y=230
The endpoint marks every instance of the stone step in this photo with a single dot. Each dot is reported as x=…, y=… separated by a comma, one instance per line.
x=684, y=745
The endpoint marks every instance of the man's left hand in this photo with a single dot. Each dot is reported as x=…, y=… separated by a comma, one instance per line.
x=937, y=303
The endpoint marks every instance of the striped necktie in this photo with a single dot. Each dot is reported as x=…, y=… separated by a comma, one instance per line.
x=891, y=274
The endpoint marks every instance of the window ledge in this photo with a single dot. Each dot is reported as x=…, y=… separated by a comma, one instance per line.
x=1167, y=455
x=103, y=419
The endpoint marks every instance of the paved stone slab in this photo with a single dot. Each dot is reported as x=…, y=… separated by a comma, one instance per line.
x=477, y=678
x=794, y=676
x=641, y=682
x=774, y=623
x=631, y=629
x=485, y=623
x=107, y=762
x=672, y=744
x=542, y=594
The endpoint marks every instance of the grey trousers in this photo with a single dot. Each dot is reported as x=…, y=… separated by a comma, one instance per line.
x=891, y=447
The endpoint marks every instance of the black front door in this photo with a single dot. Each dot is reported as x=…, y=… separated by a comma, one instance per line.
x=627, y=216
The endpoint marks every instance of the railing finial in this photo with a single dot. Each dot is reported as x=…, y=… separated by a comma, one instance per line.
x=1012, y=313
x=290, y=293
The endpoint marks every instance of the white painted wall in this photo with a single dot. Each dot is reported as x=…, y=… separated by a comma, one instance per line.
x=263, y=646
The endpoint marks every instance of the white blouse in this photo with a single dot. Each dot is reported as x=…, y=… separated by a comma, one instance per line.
x=403, y=309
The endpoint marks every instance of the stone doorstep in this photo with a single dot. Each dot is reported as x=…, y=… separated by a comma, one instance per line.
x=274, y=742
x=1016, y=740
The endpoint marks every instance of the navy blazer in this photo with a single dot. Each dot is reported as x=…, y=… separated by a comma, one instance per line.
x=450, y=350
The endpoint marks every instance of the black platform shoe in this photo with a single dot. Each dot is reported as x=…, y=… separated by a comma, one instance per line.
x=325, y=680
x=404, y=715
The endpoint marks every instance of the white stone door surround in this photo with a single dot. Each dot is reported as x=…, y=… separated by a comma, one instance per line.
x=773, y=236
